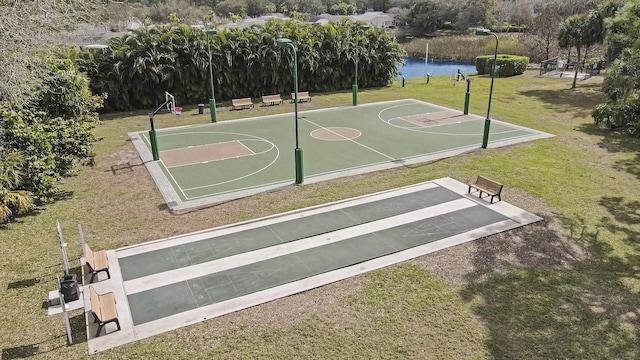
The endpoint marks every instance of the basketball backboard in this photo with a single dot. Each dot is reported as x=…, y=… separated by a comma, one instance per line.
x=171, y=102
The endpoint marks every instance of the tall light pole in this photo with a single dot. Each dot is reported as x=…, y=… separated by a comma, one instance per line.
x=355, y=82
x=487, y=121
x=212, y=100
x=284, y=43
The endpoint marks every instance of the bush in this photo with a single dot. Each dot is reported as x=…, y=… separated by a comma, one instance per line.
x=52, y=135
x=506, y=65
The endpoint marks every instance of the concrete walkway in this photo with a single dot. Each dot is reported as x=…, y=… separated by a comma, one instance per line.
x=170, y=283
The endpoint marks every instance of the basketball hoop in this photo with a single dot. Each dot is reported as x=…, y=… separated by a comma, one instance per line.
x=457, y=76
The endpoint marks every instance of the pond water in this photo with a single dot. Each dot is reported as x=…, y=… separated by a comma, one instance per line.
x=415, y=67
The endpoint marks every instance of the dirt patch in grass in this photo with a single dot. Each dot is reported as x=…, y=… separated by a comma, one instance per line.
x=544, y=244
x=285, y=312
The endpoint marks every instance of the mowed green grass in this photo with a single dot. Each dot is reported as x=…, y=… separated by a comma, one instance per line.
x=566, y=288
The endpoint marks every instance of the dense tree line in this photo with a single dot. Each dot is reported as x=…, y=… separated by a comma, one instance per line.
x=42, y=141
x=427, y=15
x=47, y=112
x=616, y=24
x=621, y=86
x=136, y=69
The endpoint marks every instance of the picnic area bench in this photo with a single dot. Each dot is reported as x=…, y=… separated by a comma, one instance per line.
x=103, y=309
x=487, y=186
x=244, y=103
x=302, y=97
x=271, y=100
x=96, y=261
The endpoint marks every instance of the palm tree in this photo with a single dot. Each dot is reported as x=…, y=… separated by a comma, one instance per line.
x=11, y=177
x=578, y=31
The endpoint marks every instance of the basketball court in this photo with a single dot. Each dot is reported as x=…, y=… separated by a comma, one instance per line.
x=174, y=282
x=213, y=162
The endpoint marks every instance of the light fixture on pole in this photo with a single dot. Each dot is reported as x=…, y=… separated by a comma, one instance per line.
x=212, y=100
x=284, y=43
x=355, y=83
x=487, y=121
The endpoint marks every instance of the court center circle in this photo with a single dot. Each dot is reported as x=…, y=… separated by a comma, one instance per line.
x=336, y=133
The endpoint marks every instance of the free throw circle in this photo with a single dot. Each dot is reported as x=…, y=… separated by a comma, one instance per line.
x=336, y=133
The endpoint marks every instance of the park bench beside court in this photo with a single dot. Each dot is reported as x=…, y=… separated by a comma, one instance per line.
x=275, y=99
x=488, y=186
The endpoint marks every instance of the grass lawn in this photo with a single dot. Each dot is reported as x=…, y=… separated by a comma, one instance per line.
x=568, y=287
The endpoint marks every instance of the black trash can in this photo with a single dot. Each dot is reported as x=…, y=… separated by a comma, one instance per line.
x=200, y=109
x=69, y=288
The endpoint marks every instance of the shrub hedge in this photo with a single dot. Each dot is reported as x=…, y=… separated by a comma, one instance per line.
x=506, y=65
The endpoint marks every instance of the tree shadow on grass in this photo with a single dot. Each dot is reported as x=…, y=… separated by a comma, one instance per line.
x=612, y=140
x=79, y=336
x=617, y=142
x=580, y=103
x=630, y=166
x=17, y=219
x=537, y=313
x=626, y=221
x=585, y=309
x=61, y=195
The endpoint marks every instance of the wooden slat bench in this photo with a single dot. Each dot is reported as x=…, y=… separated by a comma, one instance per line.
x=302, y=97
x=487, y=186
x=103, y=309
x=271, y=100
x=244, y=103
x=96, y=261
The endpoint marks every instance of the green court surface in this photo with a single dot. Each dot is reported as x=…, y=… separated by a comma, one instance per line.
x=224, y=285
x=178, y=281
x=217, y=247
x=208, y=163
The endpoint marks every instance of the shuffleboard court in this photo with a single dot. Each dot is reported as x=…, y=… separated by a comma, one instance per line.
x=208, y=163
x=182, y=280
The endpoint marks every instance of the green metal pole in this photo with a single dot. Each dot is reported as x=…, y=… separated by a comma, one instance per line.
x=154, y=145
x=466, y=97
x=212, y=100
x=298, y=150
x=153, y=139
x=355, y=83
x=487, y=121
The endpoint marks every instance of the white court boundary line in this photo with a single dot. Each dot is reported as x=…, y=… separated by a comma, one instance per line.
x=332, y=129
x=238, y=141
x=422, y=128
x=351, y=140
x=176, y=183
